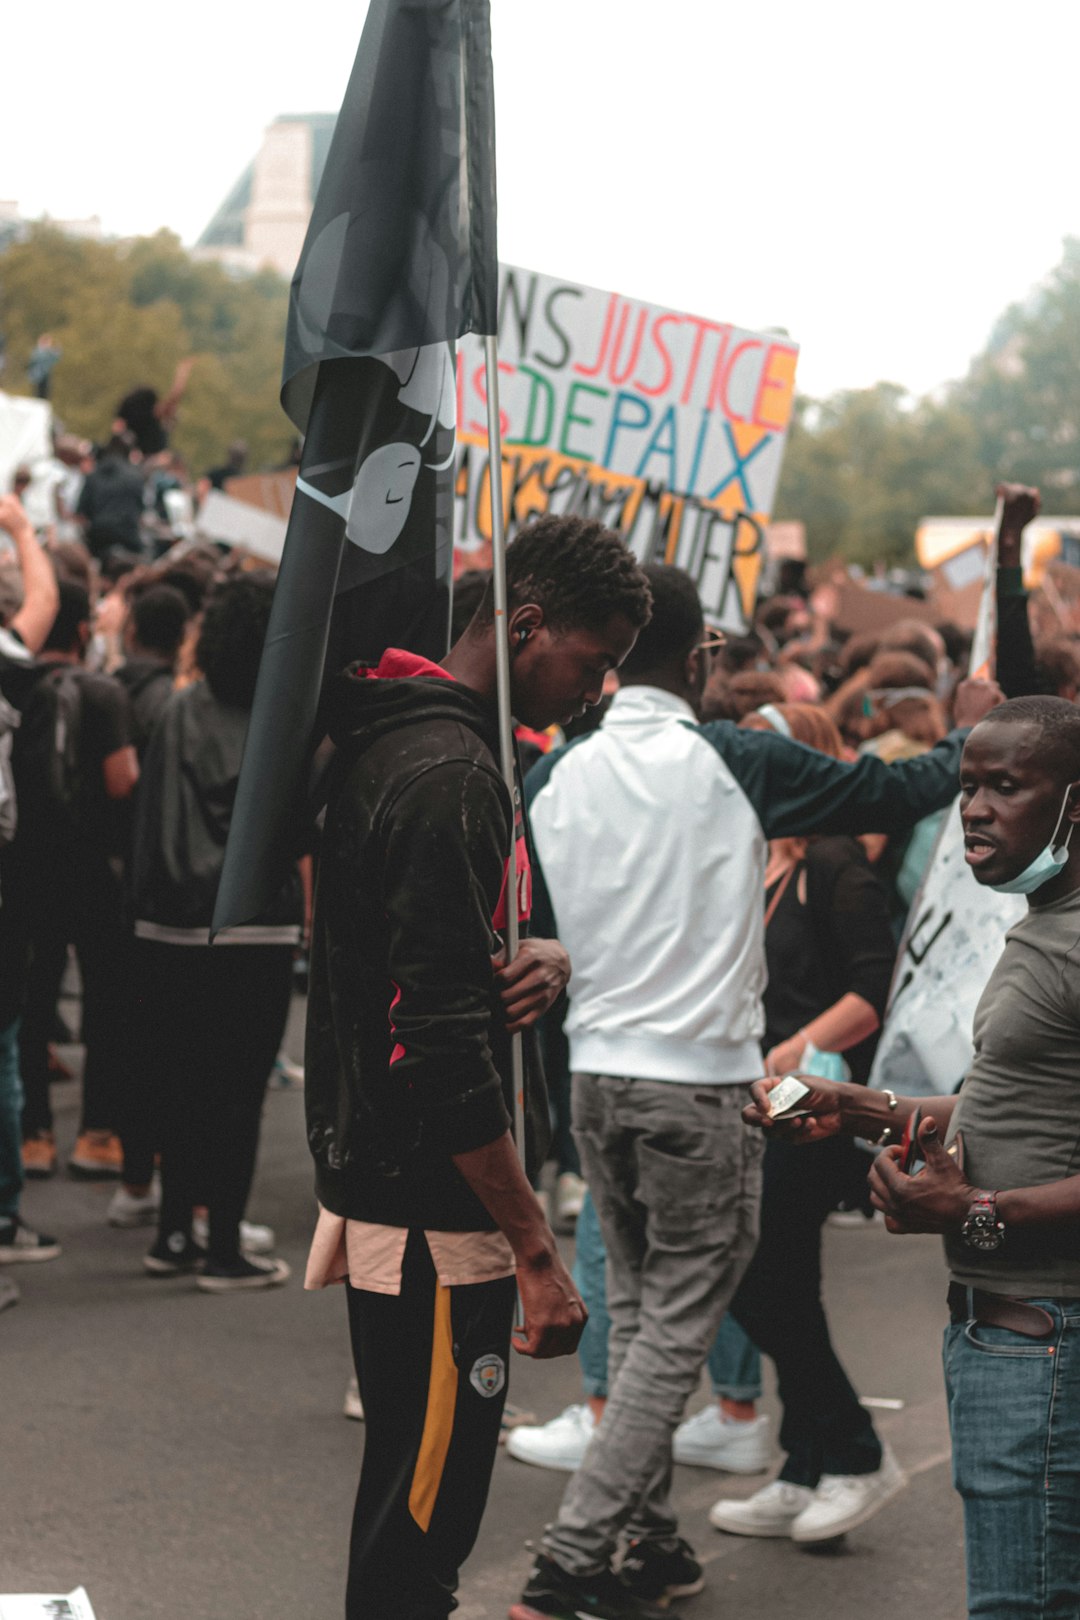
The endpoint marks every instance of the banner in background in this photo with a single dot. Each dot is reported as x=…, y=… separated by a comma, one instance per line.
x=669, y=427
x=954, y=936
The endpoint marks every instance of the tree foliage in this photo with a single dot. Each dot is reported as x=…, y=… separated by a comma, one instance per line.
x=862, y=468
x=125, y=313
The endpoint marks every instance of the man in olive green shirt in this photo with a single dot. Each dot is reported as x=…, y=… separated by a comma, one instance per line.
x=1003, y=1187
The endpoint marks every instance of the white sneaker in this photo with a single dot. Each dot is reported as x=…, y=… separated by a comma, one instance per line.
x=769, y=1512
x=844, y=1501
x=354, y=1406
x=711, y=1440
x=286, y=1072
x=562, y=1443
x=254, y=1239
x=569, y=1197
x=134, y=1209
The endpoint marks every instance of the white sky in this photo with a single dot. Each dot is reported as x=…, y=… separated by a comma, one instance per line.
x=881, y=180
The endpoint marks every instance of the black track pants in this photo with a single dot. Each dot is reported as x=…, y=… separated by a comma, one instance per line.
x=432, y=1365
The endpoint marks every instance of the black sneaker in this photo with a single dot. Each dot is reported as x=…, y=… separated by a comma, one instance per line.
x=249, y=1271
x=551, y=1591
x=20, y=1242
x=173, y=1256
x=661, y=1569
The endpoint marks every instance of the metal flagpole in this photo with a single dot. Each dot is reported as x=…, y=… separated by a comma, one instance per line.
x=502, y=679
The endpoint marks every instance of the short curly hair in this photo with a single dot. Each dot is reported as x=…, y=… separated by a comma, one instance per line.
x=578, y=571
x=231, y=639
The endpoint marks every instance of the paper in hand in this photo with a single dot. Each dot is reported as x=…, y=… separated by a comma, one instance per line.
x=782, y=1098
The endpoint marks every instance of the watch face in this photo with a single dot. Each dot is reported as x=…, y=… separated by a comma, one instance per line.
x=983, y=1232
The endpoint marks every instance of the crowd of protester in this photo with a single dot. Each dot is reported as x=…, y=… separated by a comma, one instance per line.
x=128, y=657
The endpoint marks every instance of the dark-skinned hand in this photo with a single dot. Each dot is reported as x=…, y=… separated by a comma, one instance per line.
x=532, y=982
x=822, y=1104
x=554, y=1311
x=937, y=1199
x=1019, y=504
x=974, y=699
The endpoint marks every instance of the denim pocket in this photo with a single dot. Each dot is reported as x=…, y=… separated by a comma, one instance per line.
x=678, y=1192
x=999, y=1341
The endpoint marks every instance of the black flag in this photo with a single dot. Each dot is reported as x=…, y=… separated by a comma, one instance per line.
x=399, y=261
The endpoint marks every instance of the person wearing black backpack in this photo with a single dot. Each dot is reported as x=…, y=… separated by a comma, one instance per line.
x=74, y=763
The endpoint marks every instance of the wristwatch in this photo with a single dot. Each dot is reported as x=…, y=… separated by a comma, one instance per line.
x=982, y=1230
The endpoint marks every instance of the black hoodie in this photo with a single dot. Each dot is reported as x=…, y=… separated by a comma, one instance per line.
x=407, y=1059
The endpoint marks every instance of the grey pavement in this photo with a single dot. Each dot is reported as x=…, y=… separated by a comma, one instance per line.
x=184, y=1457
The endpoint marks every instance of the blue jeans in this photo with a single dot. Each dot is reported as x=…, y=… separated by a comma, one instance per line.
x=11, y=1102
x=1014, y=1413
x=589, y=1263
x=734, y=1362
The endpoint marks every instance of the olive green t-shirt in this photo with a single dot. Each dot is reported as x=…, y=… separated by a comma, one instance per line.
x=1019, y=1107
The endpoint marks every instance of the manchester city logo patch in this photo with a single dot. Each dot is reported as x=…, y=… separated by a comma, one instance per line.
x=488, y=1375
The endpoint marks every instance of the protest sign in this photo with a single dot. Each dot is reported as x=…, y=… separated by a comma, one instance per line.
x=954, y=936
x=668, y=427
x=41, y=1606
x=25, y=433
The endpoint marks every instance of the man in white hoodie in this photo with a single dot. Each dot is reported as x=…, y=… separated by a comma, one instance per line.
x=651, y=836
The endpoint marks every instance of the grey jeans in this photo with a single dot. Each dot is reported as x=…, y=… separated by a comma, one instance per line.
x=676, y=1179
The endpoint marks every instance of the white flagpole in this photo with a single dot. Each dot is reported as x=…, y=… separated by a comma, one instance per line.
x=502, y=678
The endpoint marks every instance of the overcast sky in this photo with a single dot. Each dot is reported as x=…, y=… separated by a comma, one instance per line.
x=880, y=180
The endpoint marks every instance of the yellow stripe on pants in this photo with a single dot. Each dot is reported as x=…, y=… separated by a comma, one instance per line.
x=439, y=1418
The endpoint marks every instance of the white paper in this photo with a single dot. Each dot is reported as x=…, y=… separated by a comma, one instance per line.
x=46, y=1606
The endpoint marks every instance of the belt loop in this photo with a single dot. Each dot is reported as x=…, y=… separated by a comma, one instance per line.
x=969, y=1297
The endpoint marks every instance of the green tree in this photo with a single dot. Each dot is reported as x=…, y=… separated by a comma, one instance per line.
x=1023, y=392
x=124, y=314
x=862, y=468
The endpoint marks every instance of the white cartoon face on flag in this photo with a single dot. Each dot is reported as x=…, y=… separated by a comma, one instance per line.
x=378, y=504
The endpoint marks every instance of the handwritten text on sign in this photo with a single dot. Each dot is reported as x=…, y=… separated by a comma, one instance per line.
x=669, y=427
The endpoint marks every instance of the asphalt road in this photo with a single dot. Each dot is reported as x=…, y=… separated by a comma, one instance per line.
x=183, y=1456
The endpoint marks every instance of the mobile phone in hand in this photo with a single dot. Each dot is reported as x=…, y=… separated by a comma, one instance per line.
x=911, y=1155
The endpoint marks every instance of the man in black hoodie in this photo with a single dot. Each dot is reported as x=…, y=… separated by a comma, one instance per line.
x=427, y=1212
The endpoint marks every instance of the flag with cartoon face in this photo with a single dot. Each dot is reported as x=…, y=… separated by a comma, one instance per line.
x=399, y=261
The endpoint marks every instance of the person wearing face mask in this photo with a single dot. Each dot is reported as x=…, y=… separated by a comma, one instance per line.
x=1000, y=1181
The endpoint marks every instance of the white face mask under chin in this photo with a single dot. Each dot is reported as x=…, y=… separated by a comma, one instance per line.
x=1047, y=863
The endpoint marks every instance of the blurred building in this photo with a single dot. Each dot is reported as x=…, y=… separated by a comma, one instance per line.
x=263, y=219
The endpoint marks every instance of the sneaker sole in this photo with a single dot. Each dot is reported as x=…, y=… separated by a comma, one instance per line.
x=525, y=1611
x=766, y=1533
x=854, y=1520
x=167, y=1268
x=128, y=1222
x=94, y=1172
x=15, y=1257
x=37, y=1173
x=728, y=1467
x=234, y=1285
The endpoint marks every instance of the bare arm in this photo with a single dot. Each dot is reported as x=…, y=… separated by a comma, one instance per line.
x=41, y=597
x=166, y=409
x=554, y=1310
x=844, y=1024
x=836, y=1108
x=120, y=770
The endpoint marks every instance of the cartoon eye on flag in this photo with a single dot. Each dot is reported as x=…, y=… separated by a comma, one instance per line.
x=399, y=261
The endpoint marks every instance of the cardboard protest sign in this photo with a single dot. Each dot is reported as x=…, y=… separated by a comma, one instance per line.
x=43, y=1606
x=955, y=933
x=25, y=433
x=668, y=427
